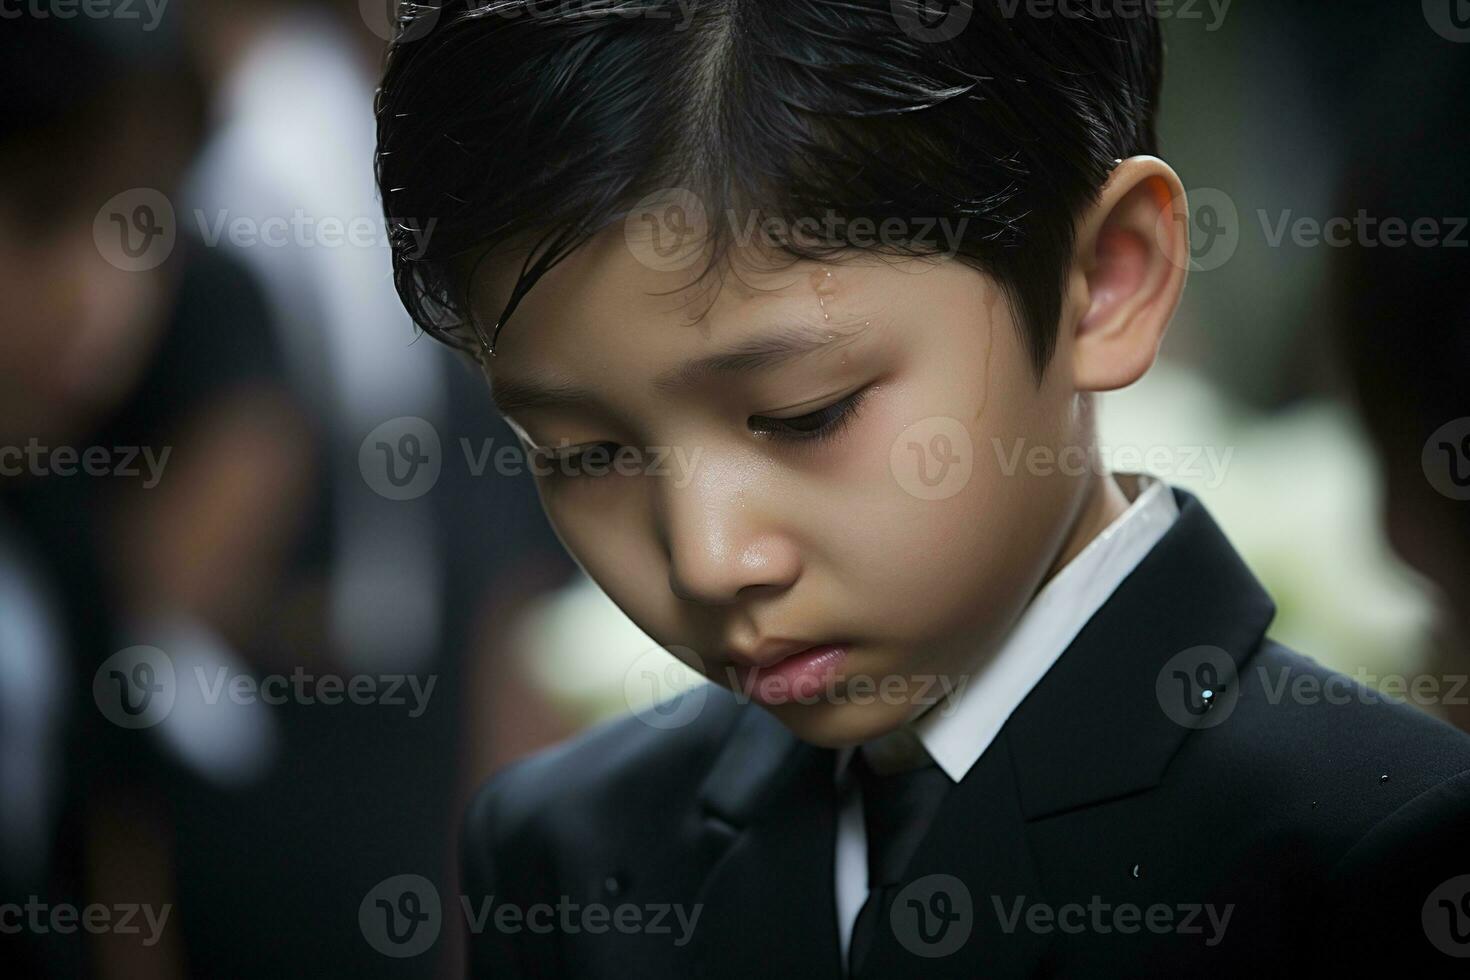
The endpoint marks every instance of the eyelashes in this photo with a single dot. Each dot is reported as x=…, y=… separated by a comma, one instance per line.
x=812, y=428
x=801, y=432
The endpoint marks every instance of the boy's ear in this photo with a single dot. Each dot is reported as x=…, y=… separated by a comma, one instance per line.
x=1132, y=254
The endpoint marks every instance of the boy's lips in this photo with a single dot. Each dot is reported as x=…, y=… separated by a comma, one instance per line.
x=798, y=675
x=767, y=652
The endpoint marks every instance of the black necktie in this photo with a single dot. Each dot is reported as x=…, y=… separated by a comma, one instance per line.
x=897, y=809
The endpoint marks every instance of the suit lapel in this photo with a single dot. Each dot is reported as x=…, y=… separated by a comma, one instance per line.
x=769, y=812
x=1098, y=726
x=1106, y=720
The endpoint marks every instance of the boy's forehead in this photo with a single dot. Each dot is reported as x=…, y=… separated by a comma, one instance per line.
x=603, y=295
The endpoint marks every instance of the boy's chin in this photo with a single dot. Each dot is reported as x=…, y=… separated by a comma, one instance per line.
x=835, y=726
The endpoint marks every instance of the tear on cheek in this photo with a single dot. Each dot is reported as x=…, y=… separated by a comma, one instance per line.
x=824, y=284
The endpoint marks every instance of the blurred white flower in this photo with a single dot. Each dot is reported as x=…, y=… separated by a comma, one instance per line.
x=579, y=649
x=1300, y=499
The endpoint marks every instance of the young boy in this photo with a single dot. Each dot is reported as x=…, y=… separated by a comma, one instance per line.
x=825, y=291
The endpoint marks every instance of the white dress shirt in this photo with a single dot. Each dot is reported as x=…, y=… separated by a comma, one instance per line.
x=958, y=735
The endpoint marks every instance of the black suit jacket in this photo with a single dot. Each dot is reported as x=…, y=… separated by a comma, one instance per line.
x=1108, y=831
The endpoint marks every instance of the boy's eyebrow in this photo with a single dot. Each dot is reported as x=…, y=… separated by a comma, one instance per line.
x=513, y=395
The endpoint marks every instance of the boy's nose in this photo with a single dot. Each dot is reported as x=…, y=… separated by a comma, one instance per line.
x=722, y=541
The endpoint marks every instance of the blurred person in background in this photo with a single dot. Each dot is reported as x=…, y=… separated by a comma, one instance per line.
x=414, y=554
x=1401, y=317
x=135, y=371
x=262, y=541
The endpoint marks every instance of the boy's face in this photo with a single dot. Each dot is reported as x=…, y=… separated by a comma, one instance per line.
x=910, y=537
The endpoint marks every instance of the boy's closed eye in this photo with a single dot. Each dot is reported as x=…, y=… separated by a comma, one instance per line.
x=809, y=429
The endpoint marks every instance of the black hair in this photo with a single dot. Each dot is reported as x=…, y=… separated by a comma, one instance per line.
x=500, y=120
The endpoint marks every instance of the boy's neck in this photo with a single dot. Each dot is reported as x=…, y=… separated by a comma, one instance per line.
x=1104, y=503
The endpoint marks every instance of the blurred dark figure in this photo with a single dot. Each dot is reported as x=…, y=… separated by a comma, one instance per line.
x=80, y=121
x=1401, y=312
x=388, y=583
x=134, y=364
x=260, y=542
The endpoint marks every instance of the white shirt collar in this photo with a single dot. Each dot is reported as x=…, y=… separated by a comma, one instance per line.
x=955, y=734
